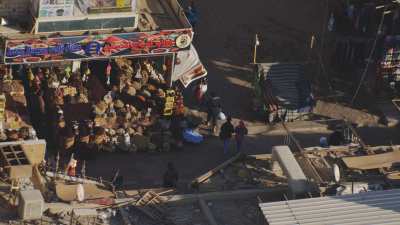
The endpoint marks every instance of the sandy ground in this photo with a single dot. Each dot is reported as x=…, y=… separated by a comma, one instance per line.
x=224, y=38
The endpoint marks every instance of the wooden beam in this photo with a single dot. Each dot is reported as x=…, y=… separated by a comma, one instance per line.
x=236, y=194
x=210, y=173
x=396, y=103
x=193, y=198
x=292, y=138
x=261, y=156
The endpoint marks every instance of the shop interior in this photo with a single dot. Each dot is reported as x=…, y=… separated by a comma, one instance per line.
x=122, y=104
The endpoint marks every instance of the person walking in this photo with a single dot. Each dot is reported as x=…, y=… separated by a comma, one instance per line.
x=213, y=110
x=226, y=133
x=240, y=132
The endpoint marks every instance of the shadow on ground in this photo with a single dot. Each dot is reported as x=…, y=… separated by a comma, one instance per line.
x=144, y=170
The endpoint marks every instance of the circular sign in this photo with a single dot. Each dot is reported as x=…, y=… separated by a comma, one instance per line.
x=183, y=41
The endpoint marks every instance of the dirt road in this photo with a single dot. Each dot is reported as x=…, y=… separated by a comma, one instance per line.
x=224, y=37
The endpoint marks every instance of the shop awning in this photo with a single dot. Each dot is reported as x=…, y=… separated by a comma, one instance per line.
x=188, y=67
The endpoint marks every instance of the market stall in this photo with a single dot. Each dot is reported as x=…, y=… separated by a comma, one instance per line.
x=389, y=71
x=108, y=91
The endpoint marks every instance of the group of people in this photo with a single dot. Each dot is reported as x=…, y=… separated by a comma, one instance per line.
x=170, y=177
x=215, y=114
x=227, y=131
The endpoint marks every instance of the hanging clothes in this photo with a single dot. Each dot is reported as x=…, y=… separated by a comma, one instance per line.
x=108, y=74
x=138, y=74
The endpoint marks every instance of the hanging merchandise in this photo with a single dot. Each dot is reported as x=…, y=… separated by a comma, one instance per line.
x=46, y=73
x=179, y=107
x=71, y=168
x=86, y=75
x=67, y=71
x=127, y=108
x=2, y=106
x=31, y=77
x=108, y=73
x=169, y=102
x=138, y=74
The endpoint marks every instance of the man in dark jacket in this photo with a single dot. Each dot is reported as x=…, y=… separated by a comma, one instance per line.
x=336, y=138
x=213, y=109
x=240, y=131
x=226, y=133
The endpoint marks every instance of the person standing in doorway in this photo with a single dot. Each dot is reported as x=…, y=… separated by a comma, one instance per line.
x=226, y=133
x=240, y=132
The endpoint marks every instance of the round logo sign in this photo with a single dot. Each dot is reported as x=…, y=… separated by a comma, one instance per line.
x=183, y=41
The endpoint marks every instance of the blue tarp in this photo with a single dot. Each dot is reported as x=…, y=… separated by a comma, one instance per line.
x=191, y=136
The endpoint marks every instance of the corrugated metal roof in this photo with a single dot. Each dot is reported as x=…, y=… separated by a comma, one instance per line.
x=288, y=83
x=369, y=208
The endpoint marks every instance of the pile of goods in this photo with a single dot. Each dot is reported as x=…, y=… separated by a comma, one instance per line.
x=14, y=116
x=125, y=107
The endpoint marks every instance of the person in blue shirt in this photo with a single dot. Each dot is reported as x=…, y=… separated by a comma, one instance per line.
x=192, y=15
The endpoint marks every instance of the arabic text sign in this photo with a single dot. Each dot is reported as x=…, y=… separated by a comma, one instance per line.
x=99, y=46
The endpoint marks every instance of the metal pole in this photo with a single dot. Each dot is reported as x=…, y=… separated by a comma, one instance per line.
x=172, y=69
x=255, y=50
x=57, y=165
x=83, y=171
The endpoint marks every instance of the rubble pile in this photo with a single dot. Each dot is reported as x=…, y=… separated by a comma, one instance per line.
x=244, y=173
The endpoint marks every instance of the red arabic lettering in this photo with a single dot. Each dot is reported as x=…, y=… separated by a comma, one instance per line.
x=140, y=44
